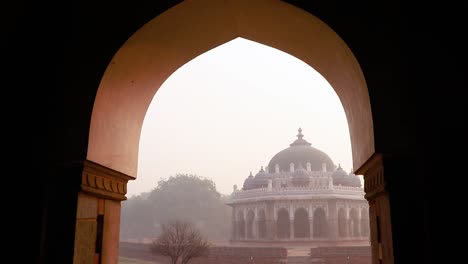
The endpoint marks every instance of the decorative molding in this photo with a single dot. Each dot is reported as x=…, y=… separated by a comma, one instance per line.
x=374, y=181
x=104, y=182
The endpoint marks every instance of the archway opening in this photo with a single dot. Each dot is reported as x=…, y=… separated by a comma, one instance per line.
x=301, y=223
x=320, y=228
x=151, y=56
x=250, y=224
x=283, y=224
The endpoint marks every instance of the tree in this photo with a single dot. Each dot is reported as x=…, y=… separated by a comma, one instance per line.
x=182, y=196
x=135, y=222
x=180, y=240
x=188, y=196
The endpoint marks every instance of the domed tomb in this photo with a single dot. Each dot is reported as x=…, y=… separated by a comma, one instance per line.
x=261, y=179
x=300, y=152
x=249, y=183
x=341, y=177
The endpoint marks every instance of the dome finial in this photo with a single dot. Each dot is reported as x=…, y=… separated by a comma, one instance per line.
x=339, y=167
x=300, y=141
x=299, y=135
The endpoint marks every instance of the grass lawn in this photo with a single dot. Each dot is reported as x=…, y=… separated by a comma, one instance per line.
x=123, y=260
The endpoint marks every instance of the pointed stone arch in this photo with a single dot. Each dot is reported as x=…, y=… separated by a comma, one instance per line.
x=250, y=223
x=160, y=47
x=301, y=223
x=283, y=224
x=320, y=228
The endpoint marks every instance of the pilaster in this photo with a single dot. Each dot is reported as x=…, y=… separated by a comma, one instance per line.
x=291, y=228
x=270, y=221
x=376, y=191
x=332, y=220
x=98, y=213
x=311, y=227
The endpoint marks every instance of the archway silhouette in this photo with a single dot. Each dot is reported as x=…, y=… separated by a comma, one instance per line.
x=160, y=47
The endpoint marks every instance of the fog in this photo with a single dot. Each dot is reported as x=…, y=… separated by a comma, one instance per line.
x=230, y=110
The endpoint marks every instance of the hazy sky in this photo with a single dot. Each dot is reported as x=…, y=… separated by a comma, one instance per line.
x=230, y=110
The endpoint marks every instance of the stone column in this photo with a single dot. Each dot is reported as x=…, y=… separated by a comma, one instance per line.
x=110, y=234
x=359, y=217
x=270, y=221
x=255, y=229
x=311, y=220
x=379, y=210
x=235, y=234
x=86, y=233
x=233, y=223
x=291, y=228
x=332, y=220
x=98, y=214
x=291, y=220
x=244, y=216
x=255, y=224
x=311, y=226
x=347, y=222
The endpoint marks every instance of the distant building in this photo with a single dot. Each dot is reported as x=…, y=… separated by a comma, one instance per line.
x=302, y=196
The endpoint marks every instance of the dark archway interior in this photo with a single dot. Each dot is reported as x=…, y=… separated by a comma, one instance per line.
x=250, y=224
x=301, y=223
x=412, y=58
x=283, y=224
x=240, y=225
x=319, y=223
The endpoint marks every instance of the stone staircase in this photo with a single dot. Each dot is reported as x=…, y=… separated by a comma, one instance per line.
x=298, y=260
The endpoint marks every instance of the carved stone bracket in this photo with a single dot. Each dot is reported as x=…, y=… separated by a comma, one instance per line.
x=104, y=182
x=374, y=182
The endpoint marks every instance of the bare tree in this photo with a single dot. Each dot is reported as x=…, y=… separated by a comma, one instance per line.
x=180, y=240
